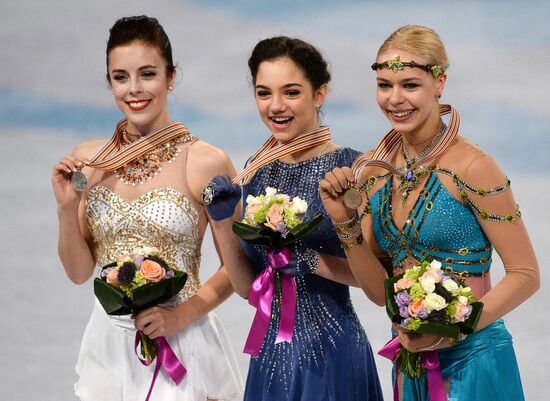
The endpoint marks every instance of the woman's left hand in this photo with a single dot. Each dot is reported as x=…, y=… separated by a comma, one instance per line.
x=418, y=342
x=159, y=322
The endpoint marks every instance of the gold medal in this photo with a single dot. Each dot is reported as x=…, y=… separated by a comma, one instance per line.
x=353, y=198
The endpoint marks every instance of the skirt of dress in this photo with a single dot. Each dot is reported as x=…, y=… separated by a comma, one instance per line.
x=109, y=369
x=482, y=367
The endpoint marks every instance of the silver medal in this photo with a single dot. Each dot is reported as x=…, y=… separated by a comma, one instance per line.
x=79, y=181
x=352, y=198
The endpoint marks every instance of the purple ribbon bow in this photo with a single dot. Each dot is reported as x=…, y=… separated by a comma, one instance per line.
x=430, y=362
x=165, y=358
x=261, y=296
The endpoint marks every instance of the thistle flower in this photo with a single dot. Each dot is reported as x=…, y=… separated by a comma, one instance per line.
x=126, y=274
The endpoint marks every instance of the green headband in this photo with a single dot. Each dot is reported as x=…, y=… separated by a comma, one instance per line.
x=398, y=65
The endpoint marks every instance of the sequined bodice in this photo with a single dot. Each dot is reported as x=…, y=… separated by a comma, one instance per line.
x=162, y=217
x=439, y=226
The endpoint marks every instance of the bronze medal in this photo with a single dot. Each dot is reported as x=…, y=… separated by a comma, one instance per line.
x=79, y=181
x=353, y=198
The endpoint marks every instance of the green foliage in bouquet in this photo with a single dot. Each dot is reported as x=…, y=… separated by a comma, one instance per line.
x=115, y=301
x=265, y=236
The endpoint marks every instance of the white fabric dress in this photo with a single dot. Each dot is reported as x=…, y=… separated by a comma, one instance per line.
x=107, y=366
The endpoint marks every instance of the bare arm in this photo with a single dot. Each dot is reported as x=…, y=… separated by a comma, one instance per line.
x=365, y=266
x=510, y=240
x=74, y=241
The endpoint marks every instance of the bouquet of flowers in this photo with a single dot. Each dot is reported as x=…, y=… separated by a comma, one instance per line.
x=135, y=282
x=428, y=299
x=274, y=221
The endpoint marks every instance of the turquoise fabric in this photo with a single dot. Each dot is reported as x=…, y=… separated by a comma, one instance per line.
x=482, y=367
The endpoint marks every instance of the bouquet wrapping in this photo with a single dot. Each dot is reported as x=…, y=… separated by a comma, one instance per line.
x=135, y=282
x=274, y=221
x=428, y=299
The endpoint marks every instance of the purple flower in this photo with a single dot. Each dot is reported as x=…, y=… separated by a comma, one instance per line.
x=467, y=314
x=422, y=313
x=169, y=274
x=105, y=272
x=138, y=260
x=404, y=323
x=282, y=229
x=404, y=311
x=402, y=298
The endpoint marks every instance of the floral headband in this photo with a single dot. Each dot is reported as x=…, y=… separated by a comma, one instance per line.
x=398, y=65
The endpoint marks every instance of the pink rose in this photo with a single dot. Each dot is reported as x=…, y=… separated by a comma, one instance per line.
x=414, y=308
x=462, y=311
x=432, y=274
x=274, y=216
x=403, y=284
x=112, y=277
x=152, y=271
x=251, y=210
x=286, y=200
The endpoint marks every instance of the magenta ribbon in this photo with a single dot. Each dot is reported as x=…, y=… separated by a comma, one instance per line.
x=430, y=362
x=261, y=296
x=165, y=358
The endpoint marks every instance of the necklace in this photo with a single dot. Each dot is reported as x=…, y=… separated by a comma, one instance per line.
x=409, y=159
x=411, y=178
x=145, y=167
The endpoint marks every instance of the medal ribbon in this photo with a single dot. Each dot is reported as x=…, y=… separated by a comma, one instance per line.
x=111, y=157
x=392, y=140
x=272, y=150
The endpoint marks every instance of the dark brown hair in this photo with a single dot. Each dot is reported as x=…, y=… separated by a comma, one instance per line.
x=141, y=29
x=304, y=55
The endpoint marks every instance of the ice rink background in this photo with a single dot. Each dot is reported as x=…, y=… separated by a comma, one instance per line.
x=54, y=95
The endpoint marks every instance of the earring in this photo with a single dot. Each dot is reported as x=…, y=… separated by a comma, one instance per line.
x=170, y=88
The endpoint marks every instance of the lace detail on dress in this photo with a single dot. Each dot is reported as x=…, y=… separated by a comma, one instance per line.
x=162, y=217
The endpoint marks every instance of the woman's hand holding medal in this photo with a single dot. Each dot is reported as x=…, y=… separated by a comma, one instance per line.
x=68, y=180
x=339, y=196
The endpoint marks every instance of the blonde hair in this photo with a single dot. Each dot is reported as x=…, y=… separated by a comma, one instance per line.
x=418, y=40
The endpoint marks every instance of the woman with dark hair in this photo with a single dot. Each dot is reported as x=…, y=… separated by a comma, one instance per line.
x=429, y=193
x=143, y=189
x=329, y=356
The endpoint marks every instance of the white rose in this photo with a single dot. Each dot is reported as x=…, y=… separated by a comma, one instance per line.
x=463, y=300
x=252, y=200
x=434, y=302
x=151, y=251
x=428, y=284
x=138, y=251
x=435, y=264
x=269, y=192
x=451, y=286
x=298, y=206
x=465, y=291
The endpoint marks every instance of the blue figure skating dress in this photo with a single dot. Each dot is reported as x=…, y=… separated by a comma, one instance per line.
x=330, y=357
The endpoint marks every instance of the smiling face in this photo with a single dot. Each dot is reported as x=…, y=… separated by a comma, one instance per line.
x=286, y=100
x=409, y=97
x=140, y=85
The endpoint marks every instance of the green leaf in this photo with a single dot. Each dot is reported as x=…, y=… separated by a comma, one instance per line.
x=468, y=326
x=264, y=236
x=115, y=301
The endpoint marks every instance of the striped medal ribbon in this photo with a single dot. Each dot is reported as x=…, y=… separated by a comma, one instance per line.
x=388, y=144
x=272, y=150
x=112, y=157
